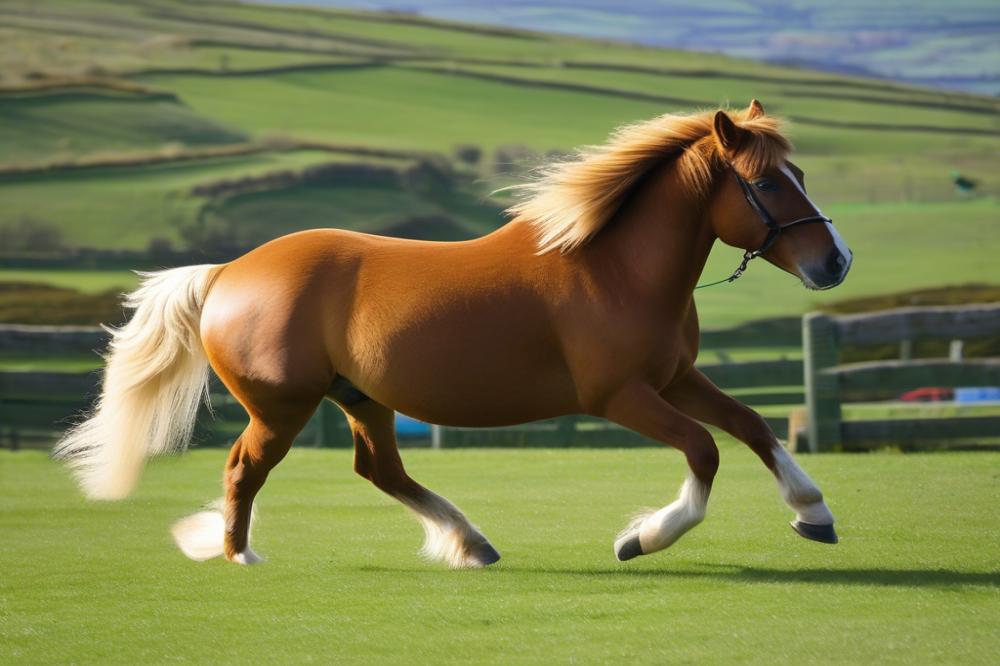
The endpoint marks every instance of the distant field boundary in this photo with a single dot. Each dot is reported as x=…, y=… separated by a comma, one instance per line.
x=361, y=63
x=899, y=101
x=61, y=84
x=318, y=35
x=390, y=16
x=194, y=154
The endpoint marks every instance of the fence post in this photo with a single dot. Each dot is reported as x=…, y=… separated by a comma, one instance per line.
x=437, y=436
x=820, y=351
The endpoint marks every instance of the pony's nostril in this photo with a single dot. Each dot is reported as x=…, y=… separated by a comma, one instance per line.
x=835, y=262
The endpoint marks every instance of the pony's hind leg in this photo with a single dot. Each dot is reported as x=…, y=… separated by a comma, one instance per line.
x=450, y=537
x=225, y=528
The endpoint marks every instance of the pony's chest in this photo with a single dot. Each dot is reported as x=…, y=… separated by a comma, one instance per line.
x=666, y=350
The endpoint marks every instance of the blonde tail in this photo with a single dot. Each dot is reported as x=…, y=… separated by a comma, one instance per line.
x=154, y=379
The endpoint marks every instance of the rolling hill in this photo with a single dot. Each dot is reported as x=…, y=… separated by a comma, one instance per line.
x=950, y=44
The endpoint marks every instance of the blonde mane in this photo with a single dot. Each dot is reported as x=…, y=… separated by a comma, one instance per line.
x=570, y=201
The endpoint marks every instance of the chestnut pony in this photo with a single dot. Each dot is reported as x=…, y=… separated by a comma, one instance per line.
x=582, y=303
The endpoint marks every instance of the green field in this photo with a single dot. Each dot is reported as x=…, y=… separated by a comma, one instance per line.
x=914, y=580
x=82, y=280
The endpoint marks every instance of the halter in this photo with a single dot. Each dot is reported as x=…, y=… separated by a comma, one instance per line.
x=773, y=228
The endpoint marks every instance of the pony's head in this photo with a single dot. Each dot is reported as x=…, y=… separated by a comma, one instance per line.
x=735, y=166
x=758, y=201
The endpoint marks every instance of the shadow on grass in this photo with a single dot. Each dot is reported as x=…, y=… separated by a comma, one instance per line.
x=927, y=578
x=940, y=578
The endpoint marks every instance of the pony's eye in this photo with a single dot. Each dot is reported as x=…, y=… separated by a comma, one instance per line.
x=765, y=185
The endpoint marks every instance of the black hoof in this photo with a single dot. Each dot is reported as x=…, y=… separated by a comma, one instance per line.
x=486, y=554
x=821, y=533
x=627, y=549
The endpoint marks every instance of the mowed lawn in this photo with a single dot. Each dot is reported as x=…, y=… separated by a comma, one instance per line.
x=915, y=579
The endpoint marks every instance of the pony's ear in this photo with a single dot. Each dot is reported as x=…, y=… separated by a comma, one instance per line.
x=755, y=110
x=727, y=134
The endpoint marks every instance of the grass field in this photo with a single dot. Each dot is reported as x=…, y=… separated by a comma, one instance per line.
x=82, y=280
x=914, y=580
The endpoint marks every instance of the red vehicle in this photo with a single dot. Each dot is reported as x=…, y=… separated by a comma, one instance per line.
x=928, y=394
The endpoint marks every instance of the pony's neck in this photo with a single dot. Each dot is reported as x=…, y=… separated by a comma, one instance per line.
x=660, y=239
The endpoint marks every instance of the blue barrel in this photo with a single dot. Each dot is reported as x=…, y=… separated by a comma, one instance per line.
x=977, y=394
x=407, y=427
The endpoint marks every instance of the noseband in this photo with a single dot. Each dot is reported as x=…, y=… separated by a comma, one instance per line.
x=774, y=229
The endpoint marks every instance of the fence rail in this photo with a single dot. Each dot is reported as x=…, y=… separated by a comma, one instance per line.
x=918, y=323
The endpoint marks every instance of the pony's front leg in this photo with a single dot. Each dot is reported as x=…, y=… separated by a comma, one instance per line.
x=639, y=407
x=698, y=397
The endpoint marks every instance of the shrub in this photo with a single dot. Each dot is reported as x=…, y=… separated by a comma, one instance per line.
x=469, y=154
x=30, y=234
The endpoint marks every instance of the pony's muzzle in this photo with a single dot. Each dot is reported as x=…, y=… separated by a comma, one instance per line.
x=831, y=272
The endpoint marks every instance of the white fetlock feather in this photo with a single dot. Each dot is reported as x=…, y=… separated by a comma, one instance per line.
x=452, y=544
x=449, y=536
x=661, y=529
x=201, y=536
x=799, y=491
x=634, y=523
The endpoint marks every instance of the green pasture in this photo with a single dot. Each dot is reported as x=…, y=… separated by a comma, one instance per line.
x=404, y=108
x=33, y=127
x=82, y=280
x=126, y=207
x=375, y=209
x=18, y=362
x=914, y=580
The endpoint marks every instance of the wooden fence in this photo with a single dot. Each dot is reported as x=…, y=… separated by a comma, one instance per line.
x=35, y=406
x=829, y=384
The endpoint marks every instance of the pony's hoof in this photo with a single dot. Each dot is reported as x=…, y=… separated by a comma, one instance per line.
x=821, y=533
x=628, y=547
x=484, y=554
x=247, y=557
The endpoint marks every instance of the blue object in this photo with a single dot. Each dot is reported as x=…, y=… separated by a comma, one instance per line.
x=977, y=394
x=407, y=427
